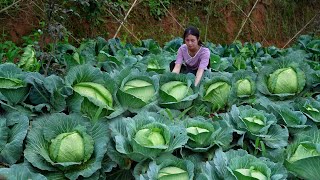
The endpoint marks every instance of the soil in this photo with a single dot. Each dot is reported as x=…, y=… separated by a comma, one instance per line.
x=144, y=26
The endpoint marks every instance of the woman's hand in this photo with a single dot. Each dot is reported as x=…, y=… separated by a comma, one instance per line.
x=198, y=76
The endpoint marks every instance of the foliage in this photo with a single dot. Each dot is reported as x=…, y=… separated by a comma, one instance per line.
x=117, y=112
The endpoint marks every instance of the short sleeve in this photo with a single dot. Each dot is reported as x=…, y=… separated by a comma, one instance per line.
x=179, y=59
x=204, y=59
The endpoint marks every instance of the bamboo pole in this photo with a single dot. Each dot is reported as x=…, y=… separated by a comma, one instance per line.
x=171, y=15
x=301, y=30
x=123, y=25
x=8, y=7
x=264, y=40
x=125, y=18
x=245, y=21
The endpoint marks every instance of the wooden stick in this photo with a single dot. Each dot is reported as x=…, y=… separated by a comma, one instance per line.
x=264, y=40
x=8, y=7
x=246, y=20
x=172, y=15
x=301, y=30
x=123, y=25
x=125, y=18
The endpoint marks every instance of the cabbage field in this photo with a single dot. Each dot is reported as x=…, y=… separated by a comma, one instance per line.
x=113, y=110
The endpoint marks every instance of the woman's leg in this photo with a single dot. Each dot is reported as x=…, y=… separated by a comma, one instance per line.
x=183, y=67
x=172, y=64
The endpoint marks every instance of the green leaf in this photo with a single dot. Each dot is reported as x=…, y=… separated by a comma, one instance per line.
x=28, y=61
x=20, y=171
x=14, y=127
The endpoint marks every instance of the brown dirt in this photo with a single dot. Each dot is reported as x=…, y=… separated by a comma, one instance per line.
x=230, y=24
x=22, y=24
x=258, y=18
x=144, y=26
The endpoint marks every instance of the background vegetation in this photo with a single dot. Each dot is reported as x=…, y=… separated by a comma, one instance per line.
x=271, y=22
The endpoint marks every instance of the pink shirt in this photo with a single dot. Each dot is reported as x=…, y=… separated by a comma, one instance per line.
x=199, y=61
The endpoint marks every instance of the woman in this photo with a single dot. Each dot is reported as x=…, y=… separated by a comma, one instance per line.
x=192, y=56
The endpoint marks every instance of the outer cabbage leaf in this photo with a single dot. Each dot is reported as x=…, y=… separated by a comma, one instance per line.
x=303, y=155
x=310, y=107
x=173, y=45
x=47, y=91
x=88, y=99
x=13, y=130
x=12, y=84
x=20, y=171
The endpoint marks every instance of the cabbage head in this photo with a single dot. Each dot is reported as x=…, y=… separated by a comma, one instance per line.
x=176, y=89
x=165, y=167
x=96, y=92
x=250, y=173
x=69, y=145
x=93, y=92
x=137, y=90
x=285, y=76
x=150, y=137
x=217, y=94
x=283, y=81
x=172, y=172
x=205, y=133
x=146, y=136
x=244, y=87
x=238, y=164
x=140, y=89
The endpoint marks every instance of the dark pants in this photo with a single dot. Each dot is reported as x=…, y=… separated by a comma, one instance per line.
x=185, y=69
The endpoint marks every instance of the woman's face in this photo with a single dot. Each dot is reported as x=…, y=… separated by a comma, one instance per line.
x=191, y=41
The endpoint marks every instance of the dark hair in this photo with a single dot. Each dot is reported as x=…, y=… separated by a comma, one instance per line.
x=192, y=31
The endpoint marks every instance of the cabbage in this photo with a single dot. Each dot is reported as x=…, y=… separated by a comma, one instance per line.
x=150, y=137
x=68, y=147
x=171, y=173
x=282, y=81
x=217, y=94
x=250, y=173
x=244, y=87
x=94, y=91
x=176, y=89
x=140, y=89
x=255, y=123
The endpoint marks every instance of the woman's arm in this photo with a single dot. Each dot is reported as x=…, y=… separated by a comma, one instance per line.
x=198, y=76
x=177, y=68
